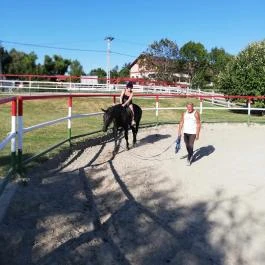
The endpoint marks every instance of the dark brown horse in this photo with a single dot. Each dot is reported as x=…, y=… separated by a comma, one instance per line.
x=122, y=118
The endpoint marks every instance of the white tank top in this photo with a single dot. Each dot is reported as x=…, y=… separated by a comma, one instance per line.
x=190, y=123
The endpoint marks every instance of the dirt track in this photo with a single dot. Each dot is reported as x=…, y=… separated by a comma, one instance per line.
x=144, y=206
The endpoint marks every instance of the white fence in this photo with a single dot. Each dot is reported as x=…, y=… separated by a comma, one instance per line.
x=16, y=87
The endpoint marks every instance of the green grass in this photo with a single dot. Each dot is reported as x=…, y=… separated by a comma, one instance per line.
x=39, y=111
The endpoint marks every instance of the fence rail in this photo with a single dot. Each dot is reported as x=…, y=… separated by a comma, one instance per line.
x=22, y=86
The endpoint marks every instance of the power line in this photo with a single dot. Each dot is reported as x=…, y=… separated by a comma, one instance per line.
x=63, y=48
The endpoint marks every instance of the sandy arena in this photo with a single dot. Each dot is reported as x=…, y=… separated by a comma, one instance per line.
x=144, y=206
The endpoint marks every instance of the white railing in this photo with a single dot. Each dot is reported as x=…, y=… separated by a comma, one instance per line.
x=30, y=87
x=17, y=86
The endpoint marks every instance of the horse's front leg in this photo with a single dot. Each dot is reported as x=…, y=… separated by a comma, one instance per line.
x=115, y=136
x=134, y=135
x=126, y=138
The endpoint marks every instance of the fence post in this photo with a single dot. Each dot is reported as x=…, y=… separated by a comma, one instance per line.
x=30, y=86
x=249, y=111
x=13, y=130
x=114, y=99
x=200, y=105
x=20, y=133
x=70, y=104
x=157, y=110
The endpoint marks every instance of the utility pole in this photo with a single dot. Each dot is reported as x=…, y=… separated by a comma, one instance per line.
x=1, y=58
x=109, y=39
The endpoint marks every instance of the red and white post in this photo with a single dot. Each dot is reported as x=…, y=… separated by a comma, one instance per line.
x=13, y=131
x=70, y=104
x=20, y=133
x=157, y=105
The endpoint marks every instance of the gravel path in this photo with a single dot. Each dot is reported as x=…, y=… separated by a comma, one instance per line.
x=144, y=206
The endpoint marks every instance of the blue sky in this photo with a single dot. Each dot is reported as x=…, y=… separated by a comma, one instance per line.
x=83, y=25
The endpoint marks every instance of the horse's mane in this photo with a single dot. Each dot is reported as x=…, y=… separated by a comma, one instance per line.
x=115, y=110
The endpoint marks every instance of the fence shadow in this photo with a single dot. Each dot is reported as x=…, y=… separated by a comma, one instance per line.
x=60, y=221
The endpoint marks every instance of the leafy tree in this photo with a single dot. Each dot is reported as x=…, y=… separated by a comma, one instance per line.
x=5, y=60
x=56, y=65
x=48, y=65
x=245, y=74
x=114, y=73
x=160, y=58
x=99, y=72
x=218, y=59
x=61, y=64
x=194, y=57
x=76, y=69
x=22, y=63
x=125, y=70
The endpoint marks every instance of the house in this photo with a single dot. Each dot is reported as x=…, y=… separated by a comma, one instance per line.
x=137, y=71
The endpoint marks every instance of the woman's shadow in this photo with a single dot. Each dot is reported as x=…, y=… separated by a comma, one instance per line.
x=201, y=152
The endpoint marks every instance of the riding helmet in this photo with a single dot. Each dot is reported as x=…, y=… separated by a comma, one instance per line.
x=129, y=84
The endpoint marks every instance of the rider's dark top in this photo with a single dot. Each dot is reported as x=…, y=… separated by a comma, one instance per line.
x=125, y=98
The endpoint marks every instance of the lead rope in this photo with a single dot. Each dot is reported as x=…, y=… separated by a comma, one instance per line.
x=149, y=157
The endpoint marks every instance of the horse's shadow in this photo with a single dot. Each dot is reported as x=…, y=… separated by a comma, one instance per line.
x=202, y=151
x=150, y=139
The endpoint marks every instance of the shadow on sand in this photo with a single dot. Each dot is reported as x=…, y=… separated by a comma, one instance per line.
x=202, y=152
x=58, y=220
x=153, y=138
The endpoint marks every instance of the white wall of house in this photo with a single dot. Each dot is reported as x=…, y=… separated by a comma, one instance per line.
x=136, y=72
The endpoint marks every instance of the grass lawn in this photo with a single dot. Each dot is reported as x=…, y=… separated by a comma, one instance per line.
x=39, y=111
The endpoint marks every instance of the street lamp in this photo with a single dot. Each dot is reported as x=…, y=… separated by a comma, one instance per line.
x=108, y=39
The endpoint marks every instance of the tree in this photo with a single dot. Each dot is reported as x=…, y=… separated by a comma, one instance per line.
x=125, y=70
x=76, y=69
x=61, y=64
x=160, y=58
x=99, y=72
x=114, y=73
x=218, y=59
x=5, y=60
x=56, y=65
x=194, y=58
x=245, y=74
x=22, y=63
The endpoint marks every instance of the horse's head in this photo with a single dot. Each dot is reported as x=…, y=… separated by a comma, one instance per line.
x=107, y=118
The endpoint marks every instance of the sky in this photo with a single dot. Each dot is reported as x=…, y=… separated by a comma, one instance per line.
x=77, y=30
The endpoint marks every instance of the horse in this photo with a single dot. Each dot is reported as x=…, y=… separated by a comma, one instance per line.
x=122, y=118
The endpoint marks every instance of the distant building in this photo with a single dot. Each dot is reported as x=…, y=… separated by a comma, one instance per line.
x=139, y=72
x=89, y=79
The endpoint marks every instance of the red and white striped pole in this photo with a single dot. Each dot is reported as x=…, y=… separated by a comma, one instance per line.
x=200, y=105
x=20, y=133
x=249, y=109
x=70, y=104
x=13, y=131
x=114, y=99
x=157, y=110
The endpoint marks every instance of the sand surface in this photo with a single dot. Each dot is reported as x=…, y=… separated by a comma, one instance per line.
x=144, y=206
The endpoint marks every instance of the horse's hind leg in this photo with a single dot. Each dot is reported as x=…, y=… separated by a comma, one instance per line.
x=126, y=138
x=134, y=132
x=115, y=136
